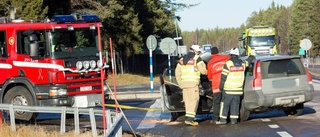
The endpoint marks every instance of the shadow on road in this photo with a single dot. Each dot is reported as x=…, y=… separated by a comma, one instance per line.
x=278, y=113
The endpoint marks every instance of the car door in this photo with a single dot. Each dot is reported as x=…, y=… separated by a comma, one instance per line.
x=171, y=93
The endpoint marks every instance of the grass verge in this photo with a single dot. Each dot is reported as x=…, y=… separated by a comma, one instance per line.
x=35, y=131
x=41, y=131
x=129, y=79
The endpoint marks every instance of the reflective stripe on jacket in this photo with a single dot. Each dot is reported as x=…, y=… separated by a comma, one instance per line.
x=200, y=65
x=235, y=78
x=189, y=72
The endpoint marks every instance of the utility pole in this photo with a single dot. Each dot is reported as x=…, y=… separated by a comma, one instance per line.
x=177, y=38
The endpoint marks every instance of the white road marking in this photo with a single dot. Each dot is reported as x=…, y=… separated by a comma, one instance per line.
x=273, y=126
x=150, y=114
x=284, y=134
x=265, y=120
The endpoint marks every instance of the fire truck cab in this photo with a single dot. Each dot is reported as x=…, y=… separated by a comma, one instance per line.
x=53, y=62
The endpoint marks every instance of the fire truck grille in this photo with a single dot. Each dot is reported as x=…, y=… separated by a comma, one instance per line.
x=83, y=83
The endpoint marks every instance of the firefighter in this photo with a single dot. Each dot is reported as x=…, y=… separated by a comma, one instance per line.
x=214, y=67
x=205, y=85
x=187, y=74
x=196, y=49
x=202, y=67
x=231, y=86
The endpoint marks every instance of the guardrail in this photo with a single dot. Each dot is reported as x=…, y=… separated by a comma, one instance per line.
x=114, y=120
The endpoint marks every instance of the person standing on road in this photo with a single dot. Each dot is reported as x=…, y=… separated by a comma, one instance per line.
x=214, y=67
x=231, y=85
x=201, y=65
x=196, y=49
x=187, y=74
x=204, y=82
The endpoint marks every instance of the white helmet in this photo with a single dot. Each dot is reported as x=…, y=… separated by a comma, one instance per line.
x=196, y=47
x=234, y=51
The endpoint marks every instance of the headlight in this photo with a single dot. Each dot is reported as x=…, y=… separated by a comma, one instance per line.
x=79, y=65
x=86, y=64
x=92, y=27
x=57, y=92
x=70, y=28
x=93, y=64
x=99, y=63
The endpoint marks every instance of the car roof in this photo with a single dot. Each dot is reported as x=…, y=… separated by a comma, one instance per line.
x=273, y=57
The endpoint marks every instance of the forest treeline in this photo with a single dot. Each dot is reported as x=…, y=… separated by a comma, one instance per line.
x=130, y=22
x=299, y=21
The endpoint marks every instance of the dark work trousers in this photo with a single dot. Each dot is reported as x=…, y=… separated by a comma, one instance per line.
x=207, y=89
x=216, y=100
x=229, y=102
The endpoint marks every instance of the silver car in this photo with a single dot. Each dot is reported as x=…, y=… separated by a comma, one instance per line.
x=276, y=82
x=272, y=82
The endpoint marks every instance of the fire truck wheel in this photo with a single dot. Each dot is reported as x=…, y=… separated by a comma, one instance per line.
x=20, y=95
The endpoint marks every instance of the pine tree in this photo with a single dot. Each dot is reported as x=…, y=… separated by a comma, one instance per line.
x=300, y=23
x=315, y=28
x=30, y=9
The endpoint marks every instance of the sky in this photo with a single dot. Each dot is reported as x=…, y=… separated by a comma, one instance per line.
x=221, y=13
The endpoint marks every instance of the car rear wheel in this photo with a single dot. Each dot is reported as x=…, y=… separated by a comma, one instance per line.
x=244, y=113
x=20, y=95
x=294, y=111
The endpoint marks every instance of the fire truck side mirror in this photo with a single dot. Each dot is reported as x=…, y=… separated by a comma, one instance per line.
x=34, y=50
x=33, y=46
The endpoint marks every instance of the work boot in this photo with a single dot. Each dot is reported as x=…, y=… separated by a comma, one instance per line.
x=234, y=121
x=191, y=123
x=213, y=121
x=221, y=122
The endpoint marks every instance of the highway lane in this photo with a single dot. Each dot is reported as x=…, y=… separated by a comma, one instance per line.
x=274, y=123
x=146, y=119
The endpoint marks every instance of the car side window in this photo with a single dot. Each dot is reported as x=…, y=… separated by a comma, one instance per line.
x=249, y=70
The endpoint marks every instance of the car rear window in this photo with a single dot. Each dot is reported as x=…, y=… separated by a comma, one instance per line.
x=282, y=68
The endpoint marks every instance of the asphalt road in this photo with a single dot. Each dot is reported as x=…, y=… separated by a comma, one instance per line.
x=135, y=92
x=270, y=124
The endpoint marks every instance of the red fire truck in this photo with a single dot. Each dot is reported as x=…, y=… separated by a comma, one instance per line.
x=54, y=62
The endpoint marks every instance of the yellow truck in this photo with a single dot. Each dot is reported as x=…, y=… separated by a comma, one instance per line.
x=259, y=40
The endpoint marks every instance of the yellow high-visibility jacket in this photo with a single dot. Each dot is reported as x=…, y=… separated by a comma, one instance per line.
x=233, y=77
x=189, y=75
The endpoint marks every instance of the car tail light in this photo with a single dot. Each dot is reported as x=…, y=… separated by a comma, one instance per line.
x=257, y=81
x=309, y=75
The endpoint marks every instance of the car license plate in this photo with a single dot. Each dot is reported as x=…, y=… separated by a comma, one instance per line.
x=86, y=88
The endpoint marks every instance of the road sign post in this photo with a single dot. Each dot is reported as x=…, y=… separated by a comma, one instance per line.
x=177, y=39
x=306, y=44
x=168, y=46
x=151, y=44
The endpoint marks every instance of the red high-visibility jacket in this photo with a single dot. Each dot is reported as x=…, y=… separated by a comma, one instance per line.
x=214, y=67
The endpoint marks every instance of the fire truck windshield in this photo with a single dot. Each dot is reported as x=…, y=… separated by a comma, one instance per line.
x=73, y=44
x=259, y=41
